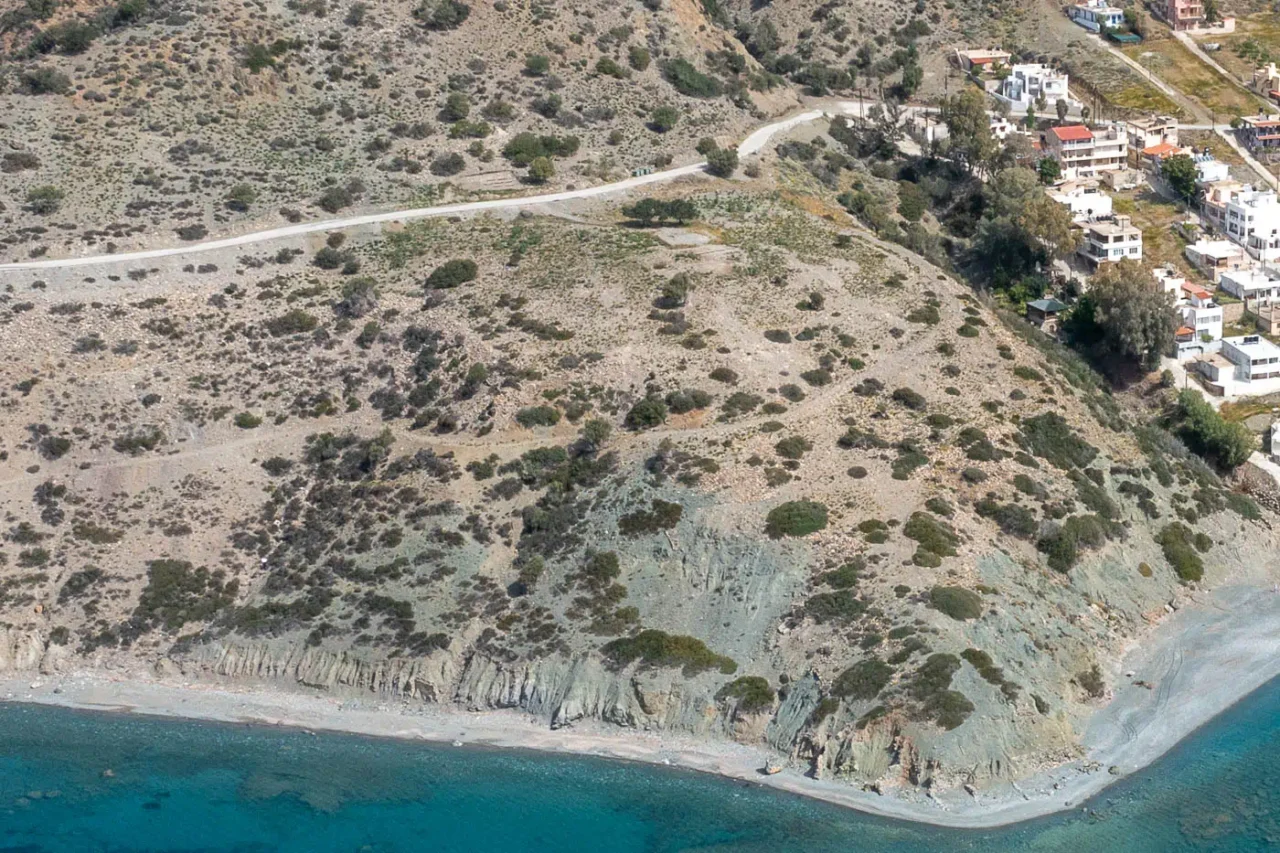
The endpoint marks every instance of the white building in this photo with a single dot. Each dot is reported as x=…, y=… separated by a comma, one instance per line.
x=1247, y=365
x=1216, y=258
x=1026, y=83
x=1111, y=241
x=1093, y=15
x=1257, y=284
x=1201, y=329
x=1170, y=281
x=1083, y=198
x=1253, y=221
x=1000, y=127
x=1209, y=170
x=1152, y=131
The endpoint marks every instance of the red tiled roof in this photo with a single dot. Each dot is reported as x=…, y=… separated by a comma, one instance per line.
x=1183, y=330
x=1164, y=149
x=1072, y=132
x=1195, y=290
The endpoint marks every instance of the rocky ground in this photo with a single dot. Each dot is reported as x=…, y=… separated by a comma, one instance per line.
x=758, y=478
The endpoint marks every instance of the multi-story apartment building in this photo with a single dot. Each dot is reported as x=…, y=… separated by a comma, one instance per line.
x=1152, y=131
x=1252, y=219
x=1184, y=14
x=1085, y=153
x=1201, y=327
x=1109, y=242
x=1266, y=81
x=1260, y=132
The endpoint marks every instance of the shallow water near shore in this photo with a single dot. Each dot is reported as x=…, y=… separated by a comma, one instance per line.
x=193, y=786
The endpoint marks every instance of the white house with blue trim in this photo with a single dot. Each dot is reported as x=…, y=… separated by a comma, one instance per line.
x=1093, y=15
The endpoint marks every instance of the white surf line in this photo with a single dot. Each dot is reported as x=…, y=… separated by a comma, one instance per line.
x=751, y=145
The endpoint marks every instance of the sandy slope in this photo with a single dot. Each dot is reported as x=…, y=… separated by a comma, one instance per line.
x=1200, y=661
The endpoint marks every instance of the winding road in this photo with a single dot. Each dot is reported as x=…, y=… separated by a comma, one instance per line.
x=753, y=144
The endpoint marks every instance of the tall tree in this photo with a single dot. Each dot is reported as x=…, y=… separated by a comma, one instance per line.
x=1022, y=228
x=1124, y=315
x=1179, y=171
x=969, y=130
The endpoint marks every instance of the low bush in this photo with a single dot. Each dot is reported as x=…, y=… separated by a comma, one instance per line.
x=1208, y=434
x=1050, y=437
x=911, y=399
x=661, y=515
x=655, y=648
x=646, y=414
x=538, y=416
x=839, y=606
x=863, y=681
x=796, y=518
x=752, y=692
x=450, y=274
x=931, y=534
x=1178, y=544
x=958, y=603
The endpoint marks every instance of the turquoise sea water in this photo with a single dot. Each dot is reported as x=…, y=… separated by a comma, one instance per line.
x=190, y=786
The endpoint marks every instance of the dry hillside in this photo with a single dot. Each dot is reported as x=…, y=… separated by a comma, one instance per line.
x=764, y=478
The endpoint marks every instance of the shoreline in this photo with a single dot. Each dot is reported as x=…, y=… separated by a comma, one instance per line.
x=1202, y=660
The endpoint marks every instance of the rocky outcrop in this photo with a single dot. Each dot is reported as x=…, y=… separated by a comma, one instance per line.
x=21, y=650
x=425, y=679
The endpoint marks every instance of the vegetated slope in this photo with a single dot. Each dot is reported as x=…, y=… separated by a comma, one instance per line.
x=792, y=486
x=136, y=119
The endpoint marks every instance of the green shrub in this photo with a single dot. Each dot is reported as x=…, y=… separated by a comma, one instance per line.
x=685, y=401
x=248, y=420
x=752, y=692
x=846, y=576
x=524, y=148
x=725, y=375
x=958, y=603
x=839, y=606
x=688, y=80
x=45, y=200
x=793, y=447
x=655, y=648
x=1243, y=506
x=661, y=515
x=538, y=416
x=1177, y=541
x=939, y=506
x=863, y=681
x=646, y=414
x=931, y=534
x=909, y=458
x=442, y=15
x=1208, y=434
x=1013, y=519
x=817, y=377
x=796, y=518
x=1028, y=373
x=1050, y=437
x=177, y=593
x=450, y=274
x=1091, y=680
x=292, y=322
x=911, y=399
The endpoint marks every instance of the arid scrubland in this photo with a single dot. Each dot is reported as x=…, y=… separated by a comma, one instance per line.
x=778, y=481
